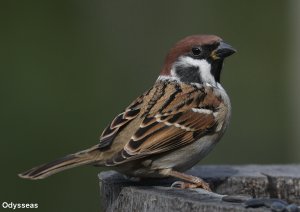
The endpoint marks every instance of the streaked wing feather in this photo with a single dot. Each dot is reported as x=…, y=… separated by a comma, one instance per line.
x=119, y=122
x=173, y=127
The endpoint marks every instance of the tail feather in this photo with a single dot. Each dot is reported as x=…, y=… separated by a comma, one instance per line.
x=64, y=163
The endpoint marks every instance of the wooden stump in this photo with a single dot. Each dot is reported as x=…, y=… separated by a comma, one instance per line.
x=271, y=181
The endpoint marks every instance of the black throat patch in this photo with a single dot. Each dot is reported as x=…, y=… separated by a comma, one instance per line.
x=216, y=68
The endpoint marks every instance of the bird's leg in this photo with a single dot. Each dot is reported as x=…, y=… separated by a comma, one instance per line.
x=192, y=181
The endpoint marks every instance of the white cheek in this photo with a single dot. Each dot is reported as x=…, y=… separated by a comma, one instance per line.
x=204, y=68
x=173, y=74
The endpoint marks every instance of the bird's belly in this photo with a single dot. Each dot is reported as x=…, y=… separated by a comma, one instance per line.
x=179, y=160
x=186, y=157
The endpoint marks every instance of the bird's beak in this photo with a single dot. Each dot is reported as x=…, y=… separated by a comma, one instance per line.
x=223, y=50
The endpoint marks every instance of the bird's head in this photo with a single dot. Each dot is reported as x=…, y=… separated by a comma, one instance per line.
x=196, y=59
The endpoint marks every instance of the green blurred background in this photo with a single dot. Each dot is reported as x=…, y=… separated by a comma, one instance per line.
x=68, y=67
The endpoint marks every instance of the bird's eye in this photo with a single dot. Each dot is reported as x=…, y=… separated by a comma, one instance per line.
x=196, y=51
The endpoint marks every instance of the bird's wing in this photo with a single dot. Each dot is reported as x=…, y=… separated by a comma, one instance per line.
x=120, y=121
x=182, y=118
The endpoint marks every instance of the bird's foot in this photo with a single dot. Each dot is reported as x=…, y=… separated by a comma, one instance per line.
x=184, y=185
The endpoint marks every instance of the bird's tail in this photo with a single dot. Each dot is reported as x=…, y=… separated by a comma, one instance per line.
x=89, y=156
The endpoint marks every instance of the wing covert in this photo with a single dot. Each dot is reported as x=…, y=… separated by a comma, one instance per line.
x=178, y=124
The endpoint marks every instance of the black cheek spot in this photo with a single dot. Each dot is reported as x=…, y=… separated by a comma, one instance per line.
x=188, y=74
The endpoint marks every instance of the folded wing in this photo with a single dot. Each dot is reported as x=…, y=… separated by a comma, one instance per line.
x=176, y=124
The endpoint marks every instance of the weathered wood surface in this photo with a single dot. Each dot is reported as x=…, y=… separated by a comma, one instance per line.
x=272, y=181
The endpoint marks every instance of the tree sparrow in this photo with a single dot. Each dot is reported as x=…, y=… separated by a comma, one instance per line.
x=170, y=127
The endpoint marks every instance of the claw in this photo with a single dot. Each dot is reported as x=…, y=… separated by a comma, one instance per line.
x=204, y=185
x=185, y=185
x=178, y=184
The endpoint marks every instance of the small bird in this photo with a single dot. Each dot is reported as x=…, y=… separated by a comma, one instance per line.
x=170, y=127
